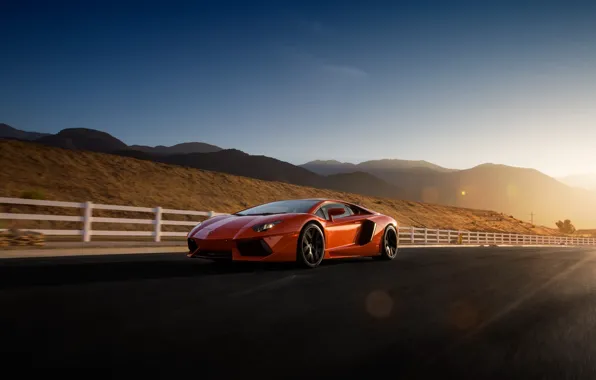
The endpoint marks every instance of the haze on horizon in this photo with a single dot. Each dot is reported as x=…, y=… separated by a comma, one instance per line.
x=456, y=85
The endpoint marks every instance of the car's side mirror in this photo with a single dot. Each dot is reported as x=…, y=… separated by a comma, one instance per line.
x=335, y=212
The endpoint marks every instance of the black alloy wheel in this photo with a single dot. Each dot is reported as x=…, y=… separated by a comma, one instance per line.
x=311, y=246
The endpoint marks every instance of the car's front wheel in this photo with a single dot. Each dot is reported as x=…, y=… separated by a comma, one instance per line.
x=311, y=246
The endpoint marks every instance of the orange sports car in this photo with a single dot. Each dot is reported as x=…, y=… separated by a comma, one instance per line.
x=306, y=231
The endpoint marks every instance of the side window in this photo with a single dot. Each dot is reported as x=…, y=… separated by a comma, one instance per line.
x=347, y=210
x=354, y=210
x=320, y=213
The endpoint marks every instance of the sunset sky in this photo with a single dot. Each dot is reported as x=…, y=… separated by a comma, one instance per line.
x=457, y=85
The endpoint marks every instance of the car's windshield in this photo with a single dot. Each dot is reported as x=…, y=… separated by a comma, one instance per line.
x=280, y=207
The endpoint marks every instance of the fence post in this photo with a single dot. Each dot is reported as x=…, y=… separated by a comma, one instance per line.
x=426, y=236
x=157, y=223
x=87, y=218
x=210, y=214
x=412, y=234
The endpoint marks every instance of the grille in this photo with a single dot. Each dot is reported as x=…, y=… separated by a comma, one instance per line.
x=227, y=255
x=256, y=247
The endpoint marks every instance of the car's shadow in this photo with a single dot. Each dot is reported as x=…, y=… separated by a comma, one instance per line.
x=18, y=273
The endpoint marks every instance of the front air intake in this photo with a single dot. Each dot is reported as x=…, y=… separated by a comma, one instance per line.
x=192, y=245
x=255, y=247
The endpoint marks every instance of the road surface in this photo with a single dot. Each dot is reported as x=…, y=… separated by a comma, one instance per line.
x=474, y=313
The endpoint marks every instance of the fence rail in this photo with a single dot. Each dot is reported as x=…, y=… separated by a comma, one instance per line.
x=413, y=235
x=88, y=219
x=407, y=235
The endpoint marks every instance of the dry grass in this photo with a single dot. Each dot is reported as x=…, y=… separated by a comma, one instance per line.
x=586, y=233
x=102, y=178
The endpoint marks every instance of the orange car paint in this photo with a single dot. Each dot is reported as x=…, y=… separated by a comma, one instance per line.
x=222, y=233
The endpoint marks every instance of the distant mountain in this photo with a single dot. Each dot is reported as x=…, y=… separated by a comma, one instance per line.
x=335, y=167
x=8, y=132
x=98, y=141
x=236, y=162
x=583, y=181
x=394, y=164
x=84, y=139
x=513, y=191
x=233, y=161
x=362, y=183
x=184, y=148
x=329, y=167
x=210, y=157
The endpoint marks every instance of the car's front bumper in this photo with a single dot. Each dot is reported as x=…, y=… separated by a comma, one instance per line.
x=270, y=249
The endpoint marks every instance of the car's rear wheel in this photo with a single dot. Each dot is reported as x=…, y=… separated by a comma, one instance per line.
x=389, y=244
x=311, y=246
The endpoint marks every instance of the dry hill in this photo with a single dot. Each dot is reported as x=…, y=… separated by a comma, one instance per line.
x=70, y=175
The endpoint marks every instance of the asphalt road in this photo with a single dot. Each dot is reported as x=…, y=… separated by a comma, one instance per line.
x=474, y=313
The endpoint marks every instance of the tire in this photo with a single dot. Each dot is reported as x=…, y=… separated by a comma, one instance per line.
x=311, y=246
x=389, y=244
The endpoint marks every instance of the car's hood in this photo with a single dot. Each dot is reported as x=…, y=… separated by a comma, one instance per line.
x=230, y=226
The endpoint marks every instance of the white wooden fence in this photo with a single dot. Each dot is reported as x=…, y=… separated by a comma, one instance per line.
x=412, y=235
x=407, y=235
x=87, y=218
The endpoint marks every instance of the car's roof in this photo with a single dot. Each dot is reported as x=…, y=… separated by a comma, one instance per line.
x=322, y=200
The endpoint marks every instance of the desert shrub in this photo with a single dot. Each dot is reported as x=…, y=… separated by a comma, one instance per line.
x=566, y=227
x=33, y=194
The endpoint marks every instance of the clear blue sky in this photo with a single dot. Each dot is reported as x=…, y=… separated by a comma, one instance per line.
x=458, y=85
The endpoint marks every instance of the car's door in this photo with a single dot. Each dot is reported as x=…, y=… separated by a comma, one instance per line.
x=343, y=230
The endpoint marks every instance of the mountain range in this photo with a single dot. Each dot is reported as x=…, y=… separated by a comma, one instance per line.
x=583, y=181
x=514, y=191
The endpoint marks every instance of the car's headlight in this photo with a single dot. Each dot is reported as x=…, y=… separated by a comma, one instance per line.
x=265, y=226
x=194, y=229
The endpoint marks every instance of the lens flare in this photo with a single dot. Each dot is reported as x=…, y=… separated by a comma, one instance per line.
x=379, y=304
